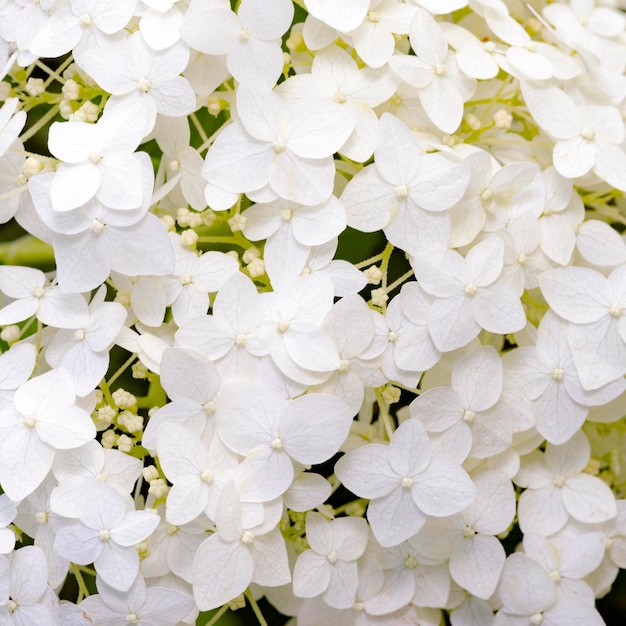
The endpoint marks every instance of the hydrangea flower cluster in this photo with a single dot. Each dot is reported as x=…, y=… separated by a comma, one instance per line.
x=322, y=302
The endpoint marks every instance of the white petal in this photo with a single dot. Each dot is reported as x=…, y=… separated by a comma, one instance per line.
x=588, y=499
x=478, y=564
x=221, y=572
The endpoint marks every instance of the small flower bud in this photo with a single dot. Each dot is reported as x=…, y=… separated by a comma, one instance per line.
x=256, y=268
x=78, y=116
x=123, y=297
x=237, y=222
x=90, y=110
x=502, y=119
x=150, y=473
x=10, y=333
x=70, y=89
x=379, y=297
x=169, y=222
x=250, y=254
x=158, y=488
x=373, y=275
x=208, y=217
x=214, y=105
x=450, y=140
x=472, y=121
x=182, y=216
x=123, y=399
x=124, y=443
x=65, y=109
x=104, y=417
x=143, y=550
x=189, y=238
x=391, y=394
x=108, y=439
x=296, y=42
x=35, y=87
x=139, y=371
x=130, y=421
x=32, y=166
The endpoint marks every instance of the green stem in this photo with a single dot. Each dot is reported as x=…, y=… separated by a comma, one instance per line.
x=384, y=266
x=368, y=262
x=39, y=124
x=13, y=192
x=255, y=608
x=217, y=616
x=384, y=413
x=51, y=73
x=121, y=369
x=399, y=281
x=207, y=142
x=83, y=592
x=196, y=122
x=106, y=391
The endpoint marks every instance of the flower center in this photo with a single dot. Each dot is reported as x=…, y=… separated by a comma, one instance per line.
x=410, y=562
x=279, y=145
x=616, y=310
x=469, y=532
x=470, y=290
x=80, y=334
x=97, y=226
x=559, y=480
x=86, y=21
x=407, y=482
x=402, y=192
x=105, y=535
x=558, y=374
x=468, y=415
x=588, y=134
x=332, y=557
x=144, y=85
